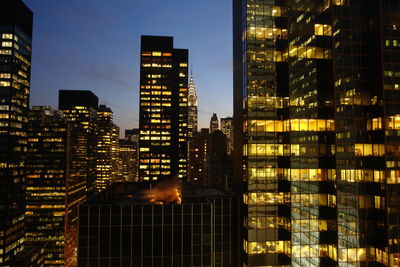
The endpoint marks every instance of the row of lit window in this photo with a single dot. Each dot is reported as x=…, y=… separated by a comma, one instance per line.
x=292, y=125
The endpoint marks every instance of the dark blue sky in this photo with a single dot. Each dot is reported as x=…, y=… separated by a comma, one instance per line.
x=94, y=45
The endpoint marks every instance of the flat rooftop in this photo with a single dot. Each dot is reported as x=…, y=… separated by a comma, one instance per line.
x=163, y=193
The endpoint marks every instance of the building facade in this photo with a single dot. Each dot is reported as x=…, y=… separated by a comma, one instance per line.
x=227, y=129
x=214, y=124
x=192, y=106
x=15, y=70
x=163, y=109
x=106, y=149
x=120, y=227
x=316, y=92
x=198, y=147
x=80, y=107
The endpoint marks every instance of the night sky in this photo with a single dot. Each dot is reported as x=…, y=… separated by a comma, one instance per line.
x=94, y=45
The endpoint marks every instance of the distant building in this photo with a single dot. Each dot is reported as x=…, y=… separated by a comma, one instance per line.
x=132, y=135
x=129, y=161
x=192, y=106
x=80, y=107
x=122, y=227
x=163, y=109
x=214, y=124
x=15, y=72
x=107, y=142
x=227, y=129
x=198, y=146
x=219, y=164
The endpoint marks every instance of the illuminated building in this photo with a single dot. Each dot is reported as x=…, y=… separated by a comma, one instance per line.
x=132, y=135
x=198, y=146
x=227, y=129
x=106, y=148
x=80, y=106
x=192, y=106
x=122, y=227
x=214, y=124
x=163, y=109
x=129, y=161
x=48, y=140
x=15, y=70
x=80, y=109
x=319, y=109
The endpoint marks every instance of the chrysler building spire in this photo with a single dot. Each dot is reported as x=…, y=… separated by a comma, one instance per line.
x=192, y=104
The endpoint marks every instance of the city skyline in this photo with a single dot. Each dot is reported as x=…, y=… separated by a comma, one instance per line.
x=106, y=61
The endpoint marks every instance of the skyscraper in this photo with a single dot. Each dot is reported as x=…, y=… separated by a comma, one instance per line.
x=319, y=109
x=15, y=70
x=163, y=109
x=80, y=107
x=46, y=179
x=106, y=149
x=192, y=106
x=227, y=129
x=214, y=124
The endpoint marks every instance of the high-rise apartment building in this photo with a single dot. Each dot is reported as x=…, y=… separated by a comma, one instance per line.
x=316, y=92
x=163, y=109
x=106, y=149
x=15, y=69
x=227, y=129
x=214, y=124
x=192, y=106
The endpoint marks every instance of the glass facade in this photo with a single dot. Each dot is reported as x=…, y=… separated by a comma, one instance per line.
x=15, y=70
x=316, y=96
x=163, y=110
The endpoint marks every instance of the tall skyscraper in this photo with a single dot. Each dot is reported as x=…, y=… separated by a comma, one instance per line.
x=80, y=107
x=214, y=124
x=106, y=149
x=227, y=129
x=319, y=106
x=192, y=105
x=163, y=109
x=198, y=147
x=15, y=70
x=46, y=182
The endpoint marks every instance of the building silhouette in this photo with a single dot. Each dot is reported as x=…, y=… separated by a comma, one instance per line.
x=316, y=94
x=15, y=70
x=163, y=110
x=214, y=124
x=198, y=149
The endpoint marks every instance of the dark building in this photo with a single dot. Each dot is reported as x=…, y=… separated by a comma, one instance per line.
x=219, y=163
x=15, y=71
x=214, y=124
x=132, y=225
x=80, y=107
x=132, y=135
x=30, y=257
x=46, y=182
x=198, y=146
x=163, y=109
x=316, y=92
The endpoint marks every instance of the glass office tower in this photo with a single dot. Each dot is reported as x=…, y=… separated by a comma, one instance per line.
x=316, y=92
x=15, y=70
x=163, y=110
